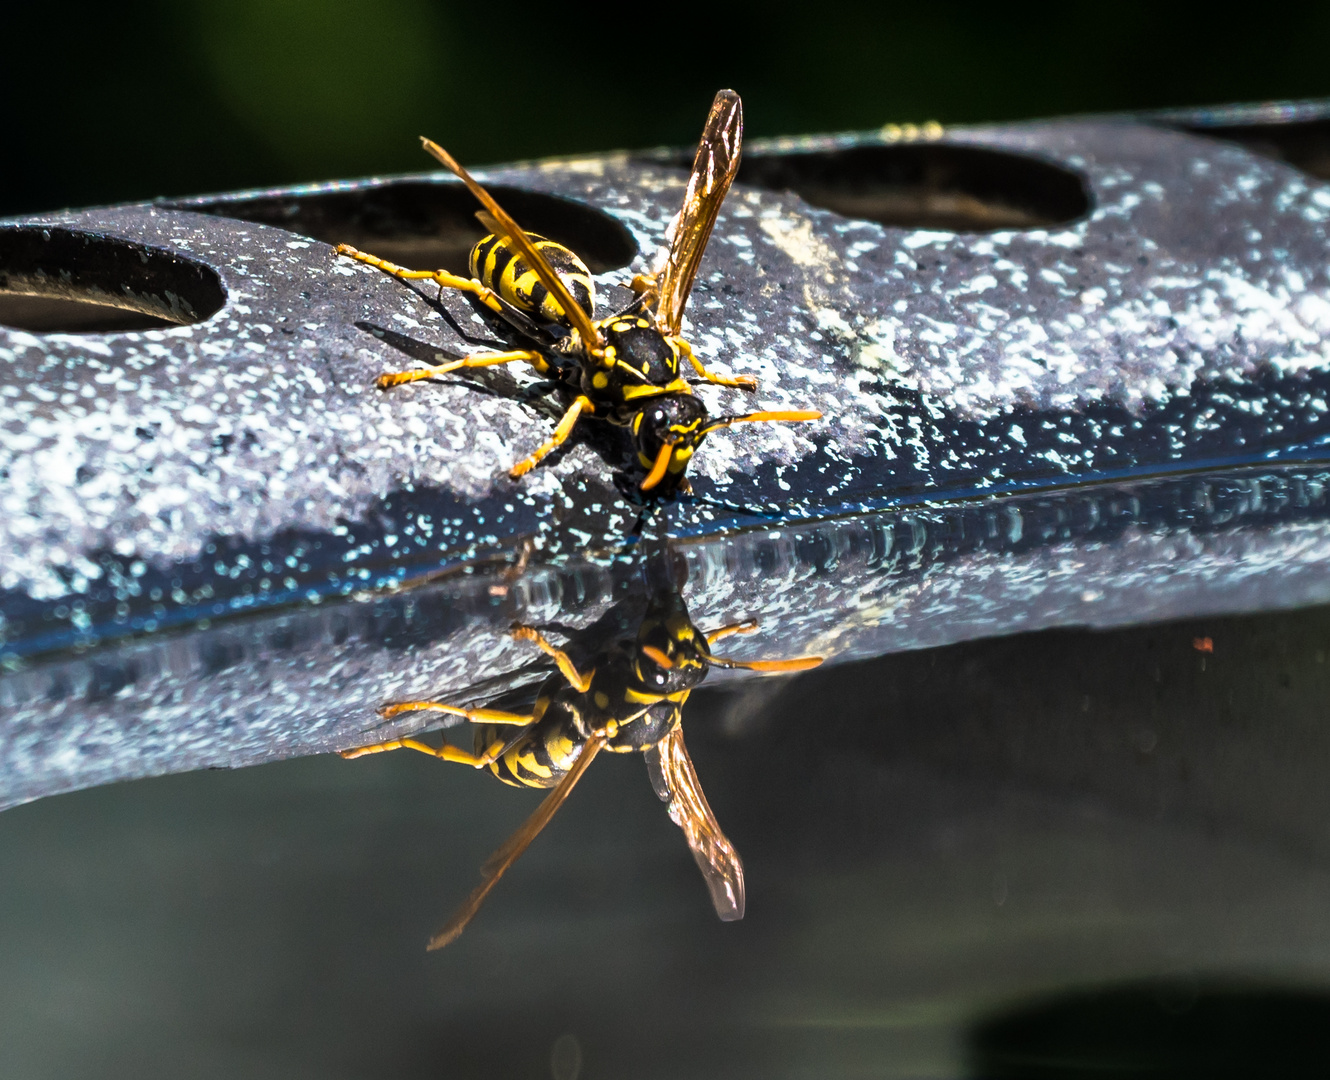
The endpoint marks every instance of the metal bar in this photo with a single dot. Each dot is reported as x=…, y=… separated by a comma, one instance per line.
x=987, y=317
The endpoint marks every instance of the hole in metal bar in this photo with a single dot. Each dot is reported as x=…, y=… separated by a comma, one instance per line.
x=1304, y=144
x=428, y=226
x=58, y=280
x=927, y=185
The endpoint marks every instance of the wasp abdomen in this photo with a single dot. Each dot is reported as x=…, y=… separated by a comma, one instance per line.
x=546, y=750
x=497, y=265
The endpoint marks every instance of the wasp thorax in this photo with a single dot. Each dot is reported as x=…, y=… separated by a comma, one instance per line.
x=636, y=342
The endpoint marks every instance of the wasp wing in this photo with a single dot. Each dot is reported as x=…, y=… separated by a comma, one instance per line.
x=714, y=166
x=675, y=780
x=498, y=863
x=497, y=220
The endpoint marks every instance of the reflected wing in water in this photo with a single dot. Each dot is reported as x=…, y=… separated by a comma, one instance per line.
x=497, y=865
x=675, y=780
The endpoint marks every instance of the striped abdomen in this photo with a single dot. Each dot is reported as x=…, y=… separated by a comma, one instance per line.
x=495, y=264
x=546, y=751
x=551, y=744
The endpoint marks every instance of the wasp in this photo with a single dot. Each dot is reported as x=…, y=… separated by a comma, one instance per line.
x=626, y=368
x=627, y=697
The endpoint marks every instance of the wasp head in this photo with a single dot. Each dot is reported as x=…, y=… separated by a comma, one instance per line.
x=666, y=431
x=669, y=428
x=670, y=653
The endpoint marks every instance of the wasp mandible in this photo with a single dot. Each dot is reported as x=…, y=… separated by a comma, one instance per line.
x=629, y=698
x=627, y=367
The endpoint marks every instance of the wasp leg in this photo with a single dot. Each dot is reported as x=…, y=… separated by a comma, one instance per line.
x=442, y=278
x=443, y=753
x=745, y=627
x=530, y=356
x=581, y=404
x=646, y=287
x=476, y=716
x=744, y=382
x=581, y=683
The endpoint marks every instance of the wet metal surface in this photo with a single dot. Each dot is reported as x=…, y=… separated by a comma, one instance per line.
x=308, y=679
x=202, y=524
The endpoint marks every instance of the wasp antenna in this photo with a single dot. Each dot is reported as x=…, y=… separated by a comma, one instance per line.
x=796, y=663
x=789, y=415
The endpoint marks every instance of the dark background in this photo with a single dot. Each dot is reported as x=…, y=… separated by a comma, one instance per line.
x=108, y=102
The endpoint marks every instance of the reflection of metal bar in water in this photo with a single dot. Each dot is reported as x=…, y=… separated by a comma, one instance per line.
x=308, y=680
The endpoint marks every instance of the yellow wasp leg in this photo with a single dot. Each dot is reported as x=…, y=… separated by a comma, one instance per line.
x=745, y=627
x=580, y=683
x=745, y=382
x=443, y=753
x=645, y=284
x=476, y=716
x=581, y=404
x=396, y=378
x=444, y=279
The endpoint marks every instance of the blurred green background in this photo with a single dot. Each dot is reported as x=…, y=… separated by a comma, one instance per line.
x=108, y=102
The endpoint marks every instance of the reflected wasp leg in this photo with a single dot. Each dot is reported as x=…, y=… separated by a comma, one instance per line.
x=530, y=356
x=442, y=278
x=581, y=683
x=580, y=404
x=446, y=752
x=476, y=716
x=743, y=382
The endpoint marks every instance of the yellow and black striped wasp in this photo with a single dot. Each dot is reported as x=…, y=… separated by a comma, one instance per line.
x=625, y=368
x=626, y=696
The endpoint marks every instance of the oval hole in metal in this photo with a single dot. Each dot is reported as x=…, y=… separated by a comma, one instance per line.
x=1304, y=144
x=927, y=185
x=57, y=280
x=425, y=225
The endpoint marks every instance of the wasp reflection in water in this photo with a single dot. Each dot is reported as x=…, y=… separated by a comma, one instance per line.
x=626, y=696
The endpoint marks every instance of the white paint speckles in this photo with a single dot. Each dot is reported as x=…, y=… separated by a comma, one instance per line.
x=796, y=239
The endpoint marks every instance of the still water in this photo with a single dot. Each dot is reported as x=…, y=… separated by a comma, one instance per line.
x=1065, y=853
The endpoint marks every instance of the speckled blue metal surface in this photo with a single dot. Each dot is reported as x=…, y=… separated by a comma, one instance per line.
x=230, y=479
